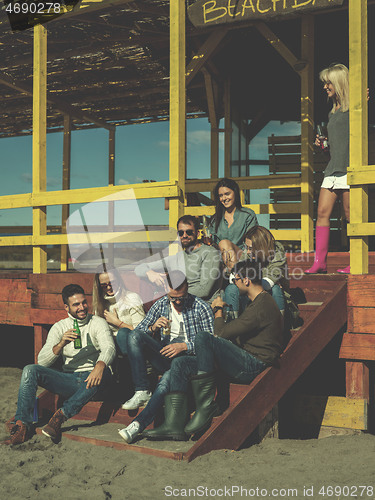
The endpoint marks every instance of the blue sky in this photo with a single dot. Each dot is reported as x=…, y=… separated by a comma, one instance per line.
x=141, y=153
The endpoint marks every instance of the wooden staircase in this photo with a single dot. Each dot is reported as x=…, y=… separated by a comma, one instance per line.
x=324, y=313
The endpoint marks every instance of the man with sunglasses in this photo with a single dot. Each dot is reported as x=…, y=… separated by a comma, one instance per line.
x=201, y=263
x=167, y=332
x=239, y=350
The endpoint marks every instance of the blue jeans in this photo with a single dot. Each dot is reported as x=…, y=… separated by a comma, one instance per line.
x=69, y=385
x=235, y=362
x=232, y=297
x=141, y=347
x=148, y=414
x=182, y=370
x=121, y=339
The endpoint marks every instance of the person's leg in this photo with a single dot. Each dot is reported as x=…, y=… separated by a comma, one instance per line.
x=231, y=359
x=278, y=297
x=327, y=199
x=148, y=414
x=142, y=346
x=182, y=369
x=345, y=198
x=33, y=376
x=232, y=297
x=121, y=339
x=82, y=395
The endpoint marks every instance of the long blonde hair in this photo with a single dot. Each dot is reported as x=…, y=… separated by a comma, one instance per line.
x=99, y=303
x=338, y=75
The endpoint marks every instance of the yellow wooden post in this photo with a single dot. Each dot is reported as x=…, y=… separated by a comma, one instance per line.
x=66, y=185
x=177, y=108
x=358, y=129
x=111, y=182
x=307, y=134
x=228, y=129
x=39, y=143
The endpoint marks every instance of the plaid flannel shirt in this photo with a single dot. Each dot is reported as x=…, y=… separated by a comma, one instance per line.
x=197, y=315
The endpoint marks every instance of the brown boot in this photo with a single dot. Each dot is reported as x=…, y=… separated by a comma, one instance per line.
x=18, y=433
x=53, y=428
x=9, y=424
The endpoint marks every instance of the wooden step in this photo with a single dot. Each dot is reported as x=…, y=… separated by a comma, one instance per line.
x=249, y=403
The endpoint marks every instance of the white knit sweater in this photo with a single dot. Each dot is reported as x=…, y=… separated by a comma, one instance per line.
x=97, y=345
x=128, y=307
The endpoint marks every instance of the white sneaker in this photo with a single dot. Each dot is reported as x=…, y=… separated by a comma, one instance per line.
x=139, y=399
x=130, y=432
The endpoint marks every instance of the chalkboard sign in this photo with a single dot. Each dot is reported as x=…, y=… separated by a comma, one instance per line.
x=210, y=12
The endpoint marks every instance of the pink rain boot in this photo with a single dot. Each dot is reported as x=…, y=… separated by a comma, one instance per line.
x=345, y=270
x=321, y=250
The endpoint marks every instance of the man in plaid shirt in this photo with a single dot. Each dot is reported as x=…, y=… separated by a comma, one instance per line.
x=168, y=331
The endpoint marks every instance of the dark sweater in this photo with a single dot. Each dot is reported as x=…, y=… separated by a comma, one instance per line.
x=258, y=330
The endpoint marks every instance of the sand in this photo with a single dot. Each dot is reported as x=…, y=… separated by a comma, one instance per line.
x=73, y=471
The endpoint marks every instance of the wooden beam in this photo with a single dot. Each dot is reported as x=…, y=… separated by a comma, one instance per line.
x=67, y=144
x=58, y=104
x=278, y=45
x=87, y=195
x=357, y=380
x=358, y=346
x=177, y=108
x=259, y=121
x=358, y=116
x=39, y=143
x=204, y=53
x=307, y=134
x=111, y=182
x=212, y=116
x=228, y=128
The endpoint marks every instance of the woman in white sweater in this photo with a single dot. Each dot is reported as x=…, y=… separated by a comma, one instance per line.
x=121, y=308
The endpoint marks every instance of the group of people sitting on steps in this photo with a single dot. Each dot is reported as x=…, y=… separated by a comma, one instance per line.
x=219, y=316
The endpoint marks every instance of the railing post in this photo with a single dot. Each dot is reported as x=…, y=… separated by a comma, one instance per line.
x=358, y=116
x=65, y=185
x=39, y=144
x=307, y=134
x=111, y=182
x=177, y=108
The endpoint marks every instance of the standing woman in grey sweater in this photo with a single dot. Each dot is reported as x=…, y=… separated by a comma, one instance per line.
x=335, y=80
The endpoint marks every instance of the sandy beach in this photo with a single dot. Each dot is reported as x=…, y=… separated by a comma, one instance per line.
x=75, y=471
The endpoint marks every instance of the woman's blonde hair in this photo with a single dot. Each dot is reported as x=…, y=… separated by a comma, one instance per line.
x=338, y=75
x=99, y=303
x=263, y=243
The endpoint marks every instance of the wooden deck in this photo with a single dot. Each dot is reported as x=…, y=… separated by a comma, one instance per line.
x=326, y=307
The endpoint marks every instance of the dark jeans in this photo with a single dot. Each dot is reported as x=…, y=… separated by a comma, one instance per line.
x=148, y=414
x=235, y=362
x=69, y=385
x=141, y=347
x=121, y=339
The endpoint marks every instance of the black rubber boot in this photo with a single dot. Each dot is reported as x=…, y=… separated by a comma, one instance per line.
x=176, y=416
x=204, y=389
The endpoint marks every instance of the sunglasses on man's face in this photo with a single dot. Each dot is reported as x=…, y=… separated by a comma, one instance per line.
x=189, y=232
x=180, y=299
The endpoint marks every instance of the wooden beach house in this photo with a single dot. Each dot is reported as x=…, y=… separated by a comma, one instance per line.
x=241, y=64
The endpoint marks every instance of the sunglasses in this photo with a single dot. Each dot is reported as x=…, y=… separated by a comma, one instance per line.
x=189, y=232
x=180, y=299
x=107, y=285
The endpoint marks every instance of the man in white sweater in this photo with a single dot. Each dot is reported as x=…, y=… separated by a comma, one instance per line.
x=85, y=369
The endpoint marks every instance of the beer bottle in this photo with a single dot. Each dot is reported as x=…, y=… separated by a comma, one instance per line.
x=78, y=340
x=206, y=235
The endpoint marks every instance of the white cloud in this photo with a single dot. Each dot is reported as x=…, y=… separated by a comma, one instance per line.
x=123, y=181
x=163, y=144
x=26, y=177
x=198, y=137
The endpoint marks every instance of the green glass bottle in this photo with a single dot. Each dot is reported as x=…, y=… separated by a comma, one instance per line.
x=78, y=340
